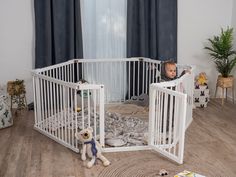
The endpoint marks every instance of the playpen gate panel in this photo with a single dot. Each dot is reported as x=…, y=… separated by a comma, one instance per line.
x=123, y=78
x=56, y=109
x=167, y=116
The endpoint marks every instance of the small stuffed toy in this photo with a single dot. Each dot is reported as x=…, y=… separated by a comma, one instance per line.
x=201, y=79
x=163, y=172
x=91, y=147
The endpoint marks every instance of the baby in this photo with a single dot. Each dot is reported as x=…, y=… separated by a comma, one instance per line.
x=169, y=71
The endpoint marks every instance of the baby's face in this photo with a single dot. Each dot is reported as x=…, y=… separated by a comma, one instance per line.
x=170, y=71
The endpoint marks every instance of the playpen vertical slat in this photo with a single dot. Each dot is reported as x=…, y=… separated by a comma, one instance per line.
x=95, y=112
x=143, y=75
x=146, y=65
x=82, y=70
x=120, y=96
x=152, y=99
x=87, y=69
x=157, y=113
x=182, y=128
x=149, y=76
x=76, y=120
x=157, y=124
x=101, y=121
x=170, y=138
x=68, y=114
x=42, y=105
x=133, y=78
x=72, y=111
x=77, y=71
x=160, y=99
x=55, y=109
x=82, y=107
x=61, y=113
x=89, y=111
x=51, y=108
x=129, y=80
x=48, y=104
x=138, y=77
x=67, y=74
x=35, y=101
x=112, y=81
x=176, y=114
x=153, y=73
x=125, y=86
x=63, y=73
x=58, y=111
x=72, y=73
x=165, y=117
x=161, y=117
x=38, y=98
x=65, y=117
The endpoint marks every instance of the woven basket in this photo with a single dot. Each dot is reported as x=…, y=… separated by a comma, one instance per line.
x=225, y=82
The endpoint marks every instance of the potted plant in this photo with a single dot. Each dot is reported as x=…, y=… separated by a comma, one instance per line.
x=221, y=50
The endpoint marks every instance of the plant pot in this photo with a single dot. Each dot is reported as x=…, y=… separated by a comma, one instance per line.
x=225, y=82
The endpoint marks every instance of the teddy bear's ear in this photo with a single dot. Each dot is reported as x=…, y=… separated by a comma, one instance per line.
x=90, y=129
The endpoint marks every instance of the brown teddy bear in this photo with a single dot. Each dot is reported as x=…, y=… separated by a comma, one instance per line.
x=91, y=147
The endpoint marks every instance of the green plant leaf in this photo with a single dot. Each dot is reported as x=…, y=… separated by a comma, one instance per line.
x=221, y=51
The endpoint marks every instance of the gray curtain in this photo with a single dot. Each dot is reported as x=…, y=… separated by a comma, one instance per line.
x=151, y=33
x=58, y=31
x=152, y=29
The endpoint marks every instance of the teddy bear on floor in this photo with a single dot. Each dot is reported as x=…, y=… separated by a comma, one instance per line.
x=201, y=79
x=91, y=147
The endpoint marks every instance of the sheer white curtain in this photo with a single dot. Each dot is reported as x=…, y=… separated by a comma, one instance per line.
x=104, y=35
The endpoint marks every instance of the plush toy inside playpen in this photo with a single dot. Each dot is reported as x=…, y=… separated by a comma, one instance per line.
x=79, y=93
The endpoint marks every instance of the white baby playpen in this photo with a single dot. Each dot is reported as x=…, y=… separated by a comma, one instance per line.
x=65, y=104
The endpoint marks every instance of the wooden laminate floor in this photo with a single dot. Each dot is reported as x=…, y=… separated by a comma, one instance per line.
x=210, y=149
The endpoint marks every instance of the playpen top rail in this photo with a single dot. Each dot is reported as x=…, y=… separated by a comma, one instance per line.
x=116, y=60
x=39, y=70
x=168, y=91
x=70, y=84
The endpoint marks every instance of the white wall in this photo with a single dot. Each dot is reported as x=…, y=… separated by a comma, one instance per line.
x=234, y=26
x=197, y=21
x=16, y=42
x=234, y=21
